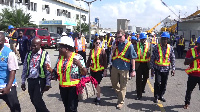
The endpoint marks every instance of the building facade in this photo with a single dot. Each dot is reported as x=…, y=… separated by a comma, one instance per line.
x=55, y=15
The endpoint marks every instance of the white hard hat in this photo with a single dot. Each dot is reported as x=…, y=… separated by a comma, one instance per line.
x=66, y=41
x=64, y=33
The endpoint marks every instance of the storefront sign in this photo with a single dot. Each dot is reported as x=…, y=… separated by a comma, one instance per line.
x=51, y=22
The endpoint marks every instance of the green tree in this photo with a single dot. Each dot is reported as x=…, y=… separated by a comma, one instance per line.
x=17, y=18
x=84, y=27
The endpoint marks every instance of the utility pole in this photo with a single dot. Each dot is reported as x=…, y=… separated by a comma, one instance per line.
x=80, y=19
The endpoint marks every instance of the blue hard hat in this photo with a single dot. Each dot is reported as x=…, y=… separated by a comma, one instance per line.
x=110, y=34
x=10, y=27
x=143, y=36
x=165, y=34
x=96, y=34
x=133, y=33
x=133, y=38
x=198, y=40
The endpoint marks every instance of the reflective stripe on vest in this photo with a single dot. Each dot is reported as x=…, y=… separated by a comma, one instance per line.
x=162, y=61
x=109, y=42
x=154, y=40
x=196, y=67
x=42, y=61
x=192, y=42
x=181, y=42
x=11, y=34
x=144, y=55
x=96, y=66
x=129, y=38
x=65, y=78
x=83, y=44
x=103, y=44
x=122, y=54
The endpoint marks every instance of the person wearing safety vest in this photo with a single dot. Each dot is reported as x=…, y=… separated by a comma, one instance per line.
x=80, y=46
x=180, y=46
x=103, y=43
x=69, y=68
x=8, y=83
x=142, y=66
x=193, y=60
x=13, y=35
x=123, y=54
x=134, y=43
x=154, y=40
x=109, y=45
x=128, y=37
x=161, y=58
x=97, y=61
x=35, y=72
x=192, y=41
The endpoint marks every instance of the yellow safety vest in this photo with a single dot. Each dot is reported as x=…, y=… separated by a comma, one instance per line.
x=11, y=34
x=129, y=38
x=144, y=55
x=96, y=66
x=153, y=40
x=192, y=42
x=109, y=42
x=65, y=78
x=122, y=54
x=103, y=44
x=83, y=44
x=181, y=43
x=162, y=61
x=195, y=67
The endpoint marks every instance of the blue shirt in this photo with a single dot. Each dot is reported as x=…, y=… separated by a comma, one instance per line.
x=130, y=54
x=23, y=43
x=29, y=42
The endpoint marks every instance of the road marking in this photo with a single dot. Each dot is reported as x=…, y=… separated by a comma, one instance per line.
x=159, y=103
x=3, y=104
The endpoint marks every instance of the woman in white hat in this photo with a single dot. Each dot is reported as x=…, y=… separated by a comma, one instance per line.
x=67, y=72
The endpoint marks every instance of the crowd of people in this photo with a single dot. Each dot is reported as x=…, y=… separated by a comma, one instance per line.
x=125, y=55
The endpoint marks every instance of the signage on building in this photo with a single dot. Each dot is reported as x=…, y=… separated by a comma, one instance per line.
x=70, y=22
x=51, y=22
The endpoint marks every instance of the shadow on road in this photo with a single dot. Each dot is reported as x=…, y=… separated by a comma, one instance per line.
x=171, y=108
x=144, y=107
x=57, y=95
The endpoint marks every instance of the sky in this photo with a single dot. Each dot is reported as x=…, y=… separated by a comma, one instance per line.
x=141, y=13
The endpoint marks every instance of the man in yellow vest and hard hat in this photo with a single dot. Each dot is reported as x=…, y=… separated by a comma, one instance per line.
x=162, y=57
x=192, y=41
x=142, y=65
x=180, y=46
x=123, y=54
x=193, y=60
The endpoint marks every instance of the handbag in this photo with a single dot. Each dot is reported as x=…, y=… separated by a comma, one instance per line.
x=86, y=88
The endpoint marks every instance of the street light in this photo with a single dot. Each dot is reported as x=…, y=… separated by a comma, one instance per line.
x=88, y=3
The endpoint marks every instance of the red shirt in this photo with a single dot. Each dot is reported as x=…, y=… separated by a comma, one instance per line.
x=189, y=55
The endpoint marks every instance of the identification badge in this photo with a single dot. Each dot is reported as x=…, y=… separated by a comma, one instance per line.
x=34, y=71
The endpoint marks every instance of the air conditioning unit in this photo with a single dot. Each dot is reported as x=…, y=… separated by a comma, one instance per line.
x=46, y=6
x=63, y=11
x=66, y=11
x=27, y=2
x=43, y=7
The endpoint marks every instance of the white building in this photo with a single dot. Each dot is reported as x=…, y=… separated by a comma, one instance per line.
x=55, y=15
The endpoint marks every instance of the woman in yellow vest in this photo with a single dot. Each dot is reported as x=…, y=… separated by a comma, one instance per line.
x=67, y=72
x=97, y=61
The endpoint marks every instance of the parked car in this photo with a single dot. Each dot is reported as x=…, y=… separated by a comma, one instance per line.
x=55, y=38
x=43, y=34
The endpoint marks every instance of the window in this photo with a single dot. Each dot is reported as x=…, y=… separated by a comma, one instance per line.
x=32, y=6
x=69, y=15
x=58, y=12
x=2, y=1
x=6, y=2
x=35, y=6
x=11, y=3
x=18, y=30
x=48, y=10
x=28, y=31
x=77, y=16
x=43, y=33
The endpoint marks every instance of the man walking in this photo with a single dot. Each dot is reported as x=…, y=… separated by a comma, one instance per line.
x=23, y=45
x=181, y=47
x=38, y=77
x=8, y=84
x=192, y=59
x=162, y=56
x=192, y=42
x=122, y=54
x=32, y=36
x=142, y=66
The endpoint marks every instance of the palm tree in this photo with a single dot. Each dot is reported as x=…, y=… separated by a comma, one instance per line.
x=17, y=18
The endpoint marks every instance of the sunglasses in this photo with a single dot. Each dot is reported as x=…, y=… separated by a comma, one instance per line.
x=97, y=42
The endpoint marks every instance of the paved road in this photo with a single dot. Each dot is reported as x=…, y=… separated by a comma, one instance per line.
x=174, y=95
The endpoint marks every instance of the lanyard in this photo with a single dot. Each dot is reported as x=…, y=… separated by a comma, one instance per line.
x=35, y=61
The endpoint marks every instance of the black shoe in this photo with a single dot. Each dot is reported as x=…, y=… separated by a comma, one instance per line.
x=95, y=100
x=155, y=100
x=162, y=99
x=138, y=97
x=143, y=91
x=98, y=102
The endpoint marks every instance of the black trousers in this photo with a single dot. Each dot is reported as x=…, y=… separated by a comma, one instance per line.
x=191, y=83
x=22, y=55
x=35, y=87
x=160, y=83
x=69, y=98
x=11, y=100
x=180, y=50
x=83, y=54
x=141, y=78
x=108, y=55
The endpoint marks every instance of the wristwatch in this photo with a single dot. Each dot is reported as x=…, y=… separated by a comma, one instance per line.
x=133, y=69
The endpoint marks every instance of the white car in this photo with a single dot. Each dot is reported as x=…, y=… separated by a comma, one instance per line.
x=7, y=40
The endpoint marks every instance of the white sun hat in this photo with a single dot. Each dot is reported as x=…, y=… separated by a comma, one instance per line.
x=66, y=41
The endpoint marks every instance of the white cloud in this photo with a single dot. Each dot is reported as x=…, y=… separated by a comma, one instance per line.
x=144, y=13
